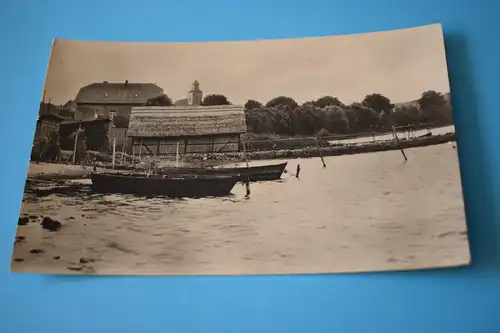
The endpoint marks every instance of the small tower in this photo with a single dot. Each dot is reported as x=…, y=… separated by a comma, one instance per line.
x=195, y=95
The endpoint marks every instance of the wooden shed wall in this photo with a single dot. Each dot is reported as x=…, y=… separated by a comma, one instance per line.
x=203, y=144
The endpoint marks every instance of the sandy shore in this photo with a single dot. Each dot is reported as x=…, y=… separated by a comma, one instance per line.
x=51, y=171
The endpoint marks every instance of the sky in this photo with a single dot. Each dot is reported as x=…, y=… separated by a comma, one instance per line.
x=400, y=64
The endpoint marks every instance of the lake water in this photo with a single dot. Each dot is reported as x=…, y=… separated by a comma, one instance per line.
x=366, y=212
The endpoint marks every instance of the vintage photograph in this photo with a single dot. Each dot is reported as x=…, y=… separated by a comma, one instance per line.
x=288, y=156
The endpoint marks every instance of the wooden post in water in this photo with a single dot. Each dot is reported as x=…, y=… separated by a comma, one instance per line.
x=247, y=183
x=76, y=141
x=320, y=153
x=399, y=143
x=114, y=151
x=177, y=155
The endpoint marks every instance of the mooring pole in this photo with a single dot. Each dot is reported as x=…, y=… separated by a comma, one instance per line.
x=247, y=183
x=399, y=143
x=320, y=154
x=114, y=151
x=76, y=141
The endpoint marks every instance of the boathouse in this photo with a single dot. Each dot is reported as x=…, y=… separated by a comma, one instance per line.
x=48, y=122
x=187, y=129
x=94, y=132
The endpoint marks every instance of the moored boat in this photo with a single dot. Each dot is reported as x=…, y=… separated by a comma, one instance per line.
x=162, y=185
x=256, y=173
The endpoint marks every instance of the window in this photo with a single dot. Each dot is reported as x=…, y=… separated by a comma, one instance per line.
x=112, y=114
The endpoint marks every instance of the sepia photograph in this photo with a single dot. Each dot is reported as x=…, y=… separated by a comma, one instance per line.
x=310, y=155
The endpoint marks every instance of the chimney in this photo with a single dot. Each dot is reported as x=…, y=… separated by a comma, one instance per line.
x=126, y=83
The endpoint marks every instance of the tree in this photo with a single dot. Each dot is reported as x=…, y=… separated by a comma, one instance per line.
x=215, y=99
x=282, y=100
x=435, y=108
x=308, y=119
x=282, y=122
x=325, y=101
x=406, y=114
x=362, y=118
x=252, y=104
x=160, y=100
x=431, y=98
x=378, y=103
x=260, y=120
x=336, y=120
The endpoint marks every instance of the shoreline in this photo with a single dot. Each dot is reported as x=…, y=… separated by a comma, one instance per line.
x=340, y=150
x=52, y=171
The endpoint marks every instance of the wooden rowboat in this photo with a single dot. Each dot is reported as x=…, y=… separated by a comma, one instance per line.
x=256, y=173
x=158, y=185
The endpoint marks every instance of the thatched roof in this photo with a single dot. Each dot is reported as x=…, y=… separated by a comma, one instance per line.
x=117, y=93
x=158, y=121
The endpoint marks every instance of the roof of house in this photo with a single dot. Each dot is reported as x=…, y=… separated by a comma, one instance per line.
x=117, y=93
x=50, y=111
x=86, y=122
x=181, y=102
x=158, y=121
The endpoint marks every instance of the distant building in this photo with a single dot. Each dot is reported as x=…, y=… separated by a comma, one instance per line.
x=197, y=129
x=114, y=101
x=60, y=110
x=195, y=96
x=48, y=122
x=95, y=132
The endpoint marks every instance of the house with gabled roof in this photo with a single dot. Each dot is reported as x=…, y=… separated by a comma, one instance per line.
x=111, y=100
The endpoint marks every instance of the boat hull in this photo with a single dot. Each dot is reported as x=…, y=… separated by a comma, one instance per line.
x=142, y=185
x=254, y=174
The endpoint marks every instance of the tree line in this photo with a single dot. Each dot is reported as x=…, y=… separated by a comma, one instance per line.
x=283, y=116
